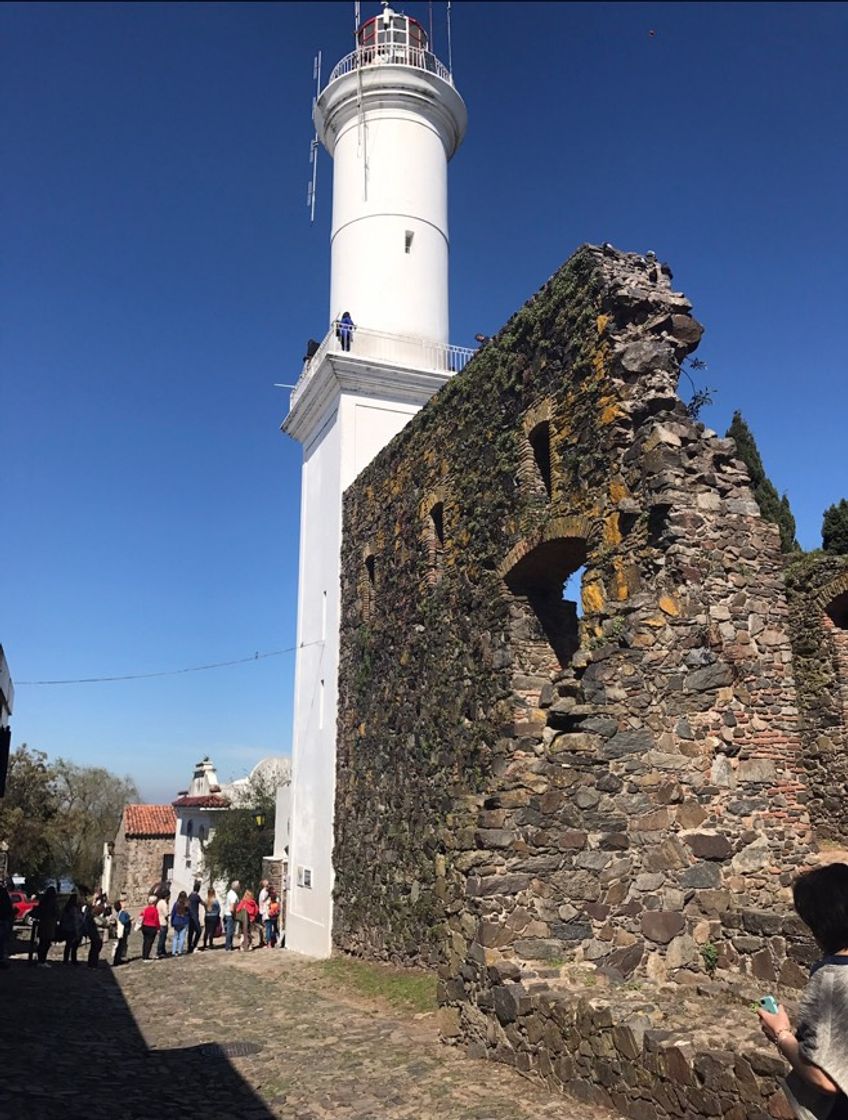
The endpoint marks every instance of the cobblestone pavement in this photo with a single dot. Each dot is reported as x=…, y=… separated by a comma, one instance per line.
x=149, y=1038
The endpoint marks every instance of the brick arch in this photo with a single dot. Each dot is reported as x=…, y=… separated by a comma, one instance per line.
x=833, y=600
x=529, y=470
x=435, y=546
x=564, y=528
x=545, y=627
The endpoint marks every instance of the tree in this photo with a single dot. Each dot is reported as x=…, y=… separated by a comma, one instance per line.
x=772, y=507
x=835, y=529
x=26, y=814
x=89, y=801
x=243, y=836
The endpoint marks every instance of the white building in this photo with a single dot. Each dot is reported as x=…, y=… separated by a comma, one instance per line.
x=390, y=117
x=197, y=810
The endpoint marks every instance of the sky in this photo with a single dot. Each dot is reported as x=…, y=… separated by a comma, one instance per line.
x=159, y=275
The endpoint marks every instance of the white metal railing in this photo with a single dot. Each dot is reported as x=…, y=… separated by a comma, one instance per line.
x=392, y=349
x=391, y=54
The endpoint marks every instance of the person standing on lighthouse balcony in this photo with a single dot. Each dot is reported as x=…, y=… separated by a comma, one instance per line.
x=345, y=329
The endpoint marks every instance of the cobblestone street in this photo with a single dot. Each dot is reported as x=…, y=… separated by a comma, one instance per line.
x=151, y=1038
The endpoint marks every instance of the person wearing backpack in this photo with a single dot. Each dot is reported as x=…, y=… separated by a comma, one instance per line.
x=272, y=919
x=180, y=919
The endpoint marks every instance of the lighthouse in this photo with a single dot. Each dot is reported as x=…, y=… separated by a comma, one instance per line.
x=391, y=118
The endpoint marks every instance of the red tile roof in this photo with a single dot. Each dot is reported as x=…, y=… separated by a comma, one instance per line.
x=210, y=801
x=149, y=820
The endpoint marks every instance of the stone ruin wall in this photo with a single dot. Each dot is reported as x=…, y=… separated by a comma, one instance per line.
x=518, y=790
x=137, y=866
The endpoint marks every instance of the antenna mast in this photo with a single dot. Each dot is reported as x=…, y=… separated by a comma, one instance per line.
x=314, y=147
x=450, y=51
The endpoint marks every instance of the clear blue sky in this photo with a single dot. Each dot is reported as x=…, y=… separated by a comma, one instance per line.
x=159, y=275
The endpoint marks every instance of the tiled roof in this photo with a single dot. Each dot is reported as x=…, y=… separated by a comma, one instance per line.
x=209, y=801
x=149, y=820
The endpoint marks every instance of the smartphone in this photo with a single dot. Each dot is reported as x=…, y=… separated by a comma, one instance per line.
x=770, y=1004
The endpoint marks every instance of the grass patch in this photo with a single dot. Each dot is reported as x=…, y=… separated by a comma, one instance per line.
x=403, y=988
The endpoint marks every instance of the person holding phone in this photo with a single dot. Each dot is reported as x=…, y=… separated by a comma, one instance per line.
x=817, y=1049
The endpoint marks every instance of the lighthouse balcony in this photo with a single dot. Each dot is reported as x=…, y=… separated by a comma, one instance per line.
x=392, y=350
x=369, y=362
x=391, y=54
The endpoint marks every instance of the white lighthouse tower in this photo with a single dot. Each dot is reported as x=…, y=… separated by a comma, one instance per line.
x=391, y=119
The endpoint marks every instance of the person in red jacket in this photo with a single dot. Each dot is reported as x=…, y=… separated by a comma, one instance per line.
x=149, y=927
x=247, y=911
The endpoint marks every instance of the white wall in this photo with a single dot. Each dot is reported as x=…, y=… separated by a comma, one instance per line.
x=353, y=432
x=188, y=850
x=282, y=820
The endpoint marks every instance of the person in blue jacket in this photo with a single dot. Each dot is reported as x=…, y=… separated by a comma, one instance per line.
x=344, y=330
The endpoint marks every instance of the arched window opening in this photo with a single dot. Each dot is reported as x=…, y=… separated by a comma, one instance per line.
x=540, y=441
x=434, y=536
x=368, y=587
x=437, y=517
x=189, y=833
x=546, y=630
x=837, y=611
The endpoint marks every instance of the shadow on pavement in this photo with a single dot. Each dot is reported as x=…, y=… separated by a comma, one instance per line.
x=70, y=1048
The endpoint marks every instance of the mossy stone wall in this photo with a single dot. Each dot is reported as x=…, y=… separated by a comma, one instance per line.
x=515, y=787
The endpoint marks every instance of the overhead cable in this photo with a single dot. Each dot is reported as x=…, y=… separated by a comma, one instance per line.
x=176, y=672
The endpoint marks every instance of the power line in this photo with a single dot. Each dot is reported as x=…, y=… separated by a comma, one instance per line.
x=177, y=672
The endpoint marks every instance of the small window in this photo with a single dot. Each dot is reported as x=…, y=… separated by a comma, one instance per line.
x=189, y=832
x=304, y=878
x=437, y=517
x=434, y=540
x=407, y=241
x=368, y=587
x=540, y=441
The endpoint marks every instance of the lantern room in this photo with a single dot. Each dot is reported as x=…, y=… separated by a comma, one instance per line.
x=392, y=31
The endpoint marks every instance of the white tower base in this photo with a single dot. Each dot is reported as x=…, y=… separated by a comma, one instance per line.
x=345, y=409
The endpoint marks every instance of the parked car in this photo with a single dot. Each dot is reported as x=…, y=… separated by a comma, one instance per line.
x=22, y=907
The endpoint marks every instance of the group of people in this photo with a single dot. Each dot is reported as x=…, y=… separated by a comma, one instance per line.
x=77, y=921
x=192, y=915
x=187, y=918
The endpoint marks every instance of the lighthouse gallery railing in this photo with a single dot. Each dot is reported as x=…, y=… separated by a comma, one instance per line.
x=391, y=54
x=379, y=346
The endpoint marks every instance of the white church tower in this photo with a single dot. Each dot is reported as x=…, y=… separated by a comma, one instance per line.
x=390, y=117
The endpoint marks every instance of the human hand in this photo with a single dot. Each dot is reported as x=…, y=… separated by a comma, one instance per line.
x=772, y=1025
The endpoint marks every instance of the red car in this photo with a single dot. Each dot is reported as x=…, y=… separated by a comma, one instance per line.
x=22, y=907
